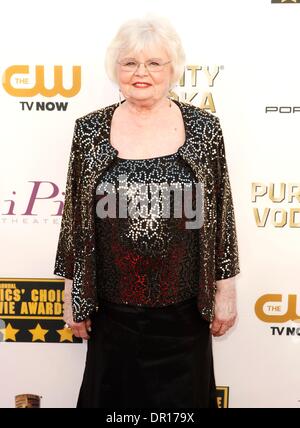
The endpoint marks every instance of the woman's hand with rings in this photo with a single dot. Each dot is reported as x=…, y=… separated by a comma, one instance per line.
x=80, y=329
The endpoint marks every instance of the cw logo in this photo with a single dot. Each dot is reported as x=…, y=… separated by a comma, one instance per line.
x=39, y=86
x=267, y=302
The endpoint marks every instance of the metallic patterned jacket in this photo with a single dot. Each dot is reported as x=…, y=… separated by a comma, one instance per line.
x=92, y=153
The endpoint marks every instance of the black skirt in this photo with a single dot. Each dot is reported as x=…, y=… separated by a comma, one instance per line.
x=142, y=357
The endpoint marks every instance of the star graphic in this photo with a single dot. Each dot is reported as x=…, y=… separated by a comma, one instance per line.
x=38, y=333
x=65, y=334
x=9, y=333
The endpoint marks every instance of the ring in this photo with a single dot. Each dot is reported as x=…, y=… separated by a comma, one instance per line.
x=66, y=326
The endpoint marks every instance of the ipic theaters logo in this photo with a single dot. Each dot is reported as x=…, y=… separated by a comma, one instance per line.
x=27, y=205
x=279, y=309
x=23, y=81
x=196, y=82
x=31, y=310
x=278, y=204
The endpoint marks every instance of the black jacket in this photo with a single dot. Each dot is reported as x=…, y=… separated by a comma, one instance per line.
x=91, y=153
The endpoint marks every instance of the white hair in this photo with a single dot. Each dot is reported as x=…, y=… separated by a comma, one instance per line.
x=142, y=33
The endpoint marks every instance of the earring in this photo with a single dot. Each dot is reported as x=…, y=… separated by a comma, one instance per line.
x=169, y=98
x=120, y=97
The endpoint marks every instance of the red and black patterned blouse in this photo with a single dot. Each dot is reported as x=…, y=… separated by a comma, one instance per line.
x=146, y=258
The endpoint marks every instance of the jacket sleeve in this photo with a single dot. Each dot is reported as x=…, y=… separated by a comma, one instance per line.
x=65, y=254
x=67, y=305
x=226, y=251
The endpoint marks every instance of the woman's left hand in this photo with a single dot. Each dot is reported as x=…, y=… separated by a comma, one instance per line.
x=225, y=307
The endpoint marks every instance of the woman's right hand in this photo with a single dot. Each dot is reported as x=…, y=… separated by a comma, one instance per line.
x=79, y=329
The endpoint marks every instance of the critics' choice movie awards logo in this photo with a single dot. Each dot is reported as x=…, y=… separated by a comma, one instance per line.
x=31, y=81
x=31, y=310
x=277, y=204
x=25, y=81
x=280, y=309
x=223, y=396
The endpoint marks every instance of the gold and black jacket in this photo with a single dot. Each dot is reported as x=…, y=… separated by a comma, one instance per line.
x=92, y=153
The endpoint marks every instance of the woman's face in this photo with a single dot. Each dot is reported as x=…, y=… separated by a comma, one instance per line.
x=156, y=83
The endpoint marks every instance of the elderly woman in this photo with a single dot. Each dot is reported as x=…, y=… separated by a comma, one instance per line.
x=145, y=288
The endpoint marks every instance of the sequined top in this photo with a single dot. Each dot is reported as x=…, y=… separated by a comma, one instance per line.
x=91, y=154
x=147, y=259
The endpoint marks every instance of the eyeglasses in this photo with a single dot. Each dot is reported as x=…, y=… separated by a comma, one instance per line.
x=151, y=65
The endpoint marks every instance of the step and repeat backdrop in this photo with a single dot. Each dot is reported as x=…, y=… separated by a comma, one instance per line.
x=243, y=66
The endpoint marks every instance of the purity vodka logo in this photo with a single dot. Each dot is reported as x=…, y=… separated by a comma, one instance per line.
x=195, y=85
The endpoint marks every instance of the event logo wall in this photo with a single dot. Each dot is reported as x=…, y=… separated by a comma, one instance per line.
x=22, y=81
x=31, y=310
x=279, y=309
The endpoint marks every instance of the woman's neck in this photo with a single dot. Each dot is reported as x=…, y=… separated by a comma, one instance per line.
x=145, y=109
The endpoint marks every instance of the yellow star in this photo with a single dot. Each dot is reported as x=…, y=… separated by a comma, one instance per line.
x=65, y=334
x=9, y=333
x=38, y=333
